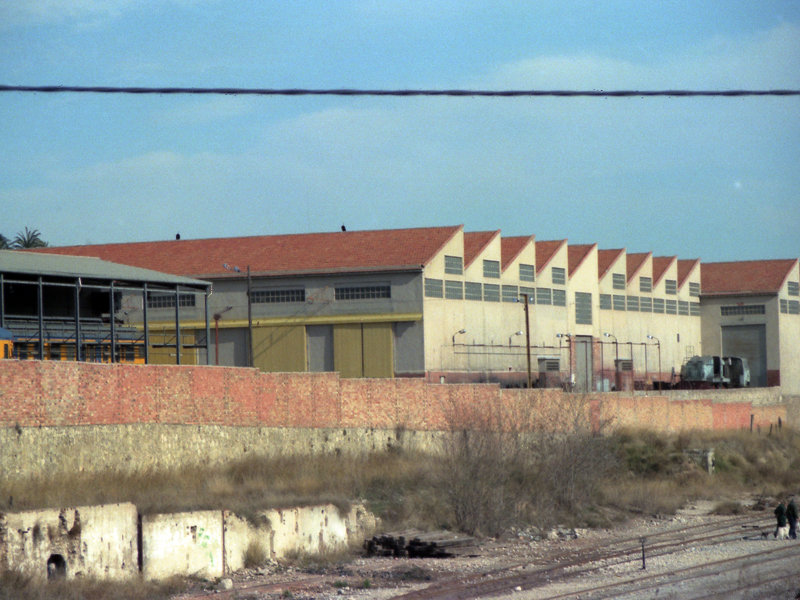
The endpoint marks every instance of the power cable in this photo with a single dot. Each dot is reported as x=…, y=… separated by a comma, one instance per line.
x=54, y=89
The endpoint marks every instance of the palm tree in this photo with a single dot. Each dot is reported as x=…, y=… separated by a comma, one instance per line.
x=5, y=243
x=30, y=239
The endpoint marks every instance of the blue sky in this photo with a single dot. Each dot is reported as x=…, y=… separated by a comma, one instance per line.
x=710, y=178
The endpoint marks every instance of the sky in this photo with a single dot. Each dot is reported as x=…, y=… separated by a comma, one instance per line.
x=714, y=178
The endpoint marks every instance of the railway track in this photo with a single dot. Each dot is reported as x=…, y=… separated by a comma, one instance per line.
x=575, y=568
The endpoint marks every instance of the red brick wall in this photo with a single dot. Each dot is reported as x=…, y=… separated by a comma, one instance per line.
x=44, y=393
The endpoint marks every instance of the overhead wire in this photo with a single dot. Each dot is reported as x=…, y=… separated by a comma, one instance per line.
x=54, y=89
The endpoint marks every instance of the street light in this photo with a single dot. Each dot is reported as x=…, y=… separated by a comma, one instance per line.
x=459, y=332
x=526, y=299
x=249, y=313
x=512, y=336
x=658, y=344
x=569, y=340
x=217, y=317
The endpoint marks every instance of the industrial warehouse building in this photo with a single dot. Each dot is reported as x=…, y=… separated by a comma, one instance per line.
x=450, y=306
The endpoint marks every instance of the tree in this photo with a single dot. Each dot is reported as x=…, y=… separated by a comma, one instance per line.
x=5, y=243
x=31, y=238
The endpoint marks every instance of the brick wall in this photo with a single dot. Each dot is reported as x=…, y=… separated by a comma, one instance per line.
x=66, y=394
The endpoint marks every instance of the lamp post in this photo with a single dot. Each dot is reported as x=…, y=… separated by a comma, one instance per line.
x=217, y=317
x=526, y=299
x=569, y=341
x=658, y=345
x=249, y=314
x=459, y=332
x=511, y=337
x=616, y=359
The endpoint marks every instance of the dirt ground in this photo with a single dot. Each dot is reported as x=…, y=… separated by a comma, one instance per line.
x=376, y=578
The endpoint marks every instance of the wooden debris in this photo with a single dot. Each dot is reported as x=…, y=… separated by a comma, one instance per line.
x=416, y=544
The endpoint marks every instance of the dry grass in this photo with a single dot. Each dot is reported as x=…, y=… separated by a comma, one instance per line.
x=15, y=586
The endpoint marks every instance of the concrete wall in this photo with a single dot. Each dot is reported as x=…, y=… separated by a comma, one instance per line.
x=92, y=541
x=66, y=417
x=101, y=542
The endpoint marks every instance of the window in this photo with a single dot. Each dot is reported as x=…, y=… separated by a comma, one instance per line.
x=454, y=265
x=530, y=292
x=619, y=302
x=645, y=304
x=559, y=298
x=605, y=301
x=473, y=291
x=793, y=288
x=743, y=309
x=543, y=296
x=453, y=290
x=672, y=307
x=366, y=292
x=670, y=286
x=491, y=292
x=618, y=281
x=273, y=296
x=633, y=303
x=155, y=300
x=694, y=289
x=694, y=309
x=491, y=268
x=583, y=308
x=510, y=293
x=784, y=306
x=658, y=305
x=559, y=276
x=683, y=308
x=645, y=284
x=794, y=307
x=527, y=272
x=433, y=288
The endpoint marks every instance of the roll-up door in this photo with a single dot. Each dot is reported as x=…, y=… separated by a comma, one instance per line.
x=750, y=342
x=378, y=357
x=279, y=349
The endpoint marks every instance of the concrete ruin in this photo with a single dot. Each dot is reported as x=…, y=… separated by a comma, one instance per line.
x=115, y=542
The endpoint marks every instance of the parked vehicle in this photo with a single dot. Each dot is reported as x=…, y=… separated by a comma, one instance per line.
x=716, y=371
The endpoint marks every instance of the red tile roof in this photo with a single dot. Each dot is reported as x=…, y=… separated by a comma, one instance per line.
x=606, y=258
x=745, y=277
x=510, y=247
x=475, y=242
x=545, y=252
x=351, y=251
x=577, y=254
x=685, y=268
x=660, y=266
x=635, y=260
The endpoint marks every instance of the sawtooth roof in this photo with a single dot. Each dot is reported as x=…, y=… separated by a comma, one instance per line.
x=606, y=258
x=475, y=242
x=510, y=247
x=745, y=277
x=545, y=252
x=635, y=260
x=577, y=254
x=346, y=251
x=660, y=266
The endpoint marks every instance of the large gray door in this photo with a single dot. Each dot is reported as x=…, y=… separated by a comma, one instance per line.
x=750, y=342
x=320, y=348
x=583, y=363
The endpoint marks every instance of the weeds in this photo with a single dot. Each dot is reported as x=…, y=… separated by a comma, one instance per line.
x=16, y=586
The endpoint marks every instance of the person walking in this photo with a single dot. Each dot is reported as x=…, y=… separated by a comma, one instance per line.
x=791, y=516
x=780, y=515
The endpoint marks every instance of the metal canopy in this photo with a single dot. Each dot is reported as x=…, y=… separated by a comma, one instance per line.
x=41, y=270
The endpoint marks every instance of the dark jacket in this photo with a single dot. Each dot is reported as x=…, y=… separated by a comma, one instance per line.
x=791, y=511
x=780, y=513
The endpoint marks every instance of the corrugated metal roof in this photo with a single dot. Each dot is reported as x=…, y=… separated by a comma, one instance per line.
x=44, y=264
